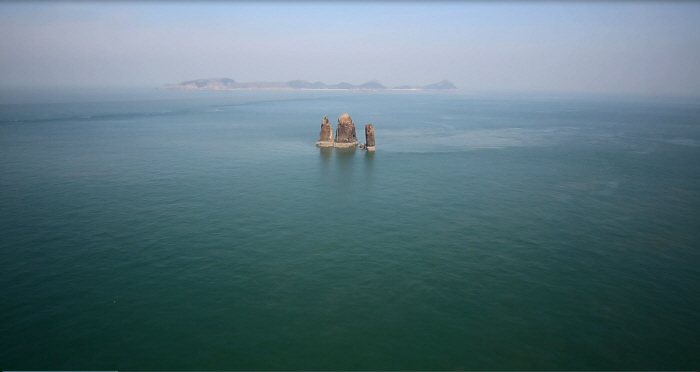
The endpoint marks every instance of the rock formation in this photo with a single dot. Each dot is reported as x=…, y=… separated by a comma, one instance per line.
x=326, y=134
x=369, y=137
x=345, y=132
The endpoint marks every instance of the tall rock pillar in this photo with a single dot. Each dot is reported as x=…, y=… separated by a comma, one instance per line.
x=345, y=132
x=326, y=134
x=369, y=137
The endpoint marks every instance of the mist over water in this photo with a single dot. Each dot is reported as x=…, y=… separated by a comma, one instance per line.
x=204, y=230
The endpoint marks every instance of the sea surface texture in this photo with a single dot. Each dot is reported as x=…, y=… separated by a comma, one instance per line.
x=167, y=230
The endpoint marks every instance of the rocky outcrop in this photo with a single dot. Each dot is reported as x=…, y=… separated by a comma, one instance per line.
x=369, y=137
x=326, y=134
x=345, y=135
x=345, y=132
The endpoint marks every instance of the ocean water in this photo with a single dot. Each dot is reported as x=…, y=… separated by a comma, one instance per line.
x=162, y=230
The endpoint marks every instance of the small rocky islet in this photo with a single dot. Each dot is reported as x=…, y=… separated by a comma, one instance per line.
x=345, y=135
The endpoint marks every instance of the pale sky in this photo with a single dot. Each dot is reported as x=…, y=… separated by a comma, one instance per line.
x=577, y=46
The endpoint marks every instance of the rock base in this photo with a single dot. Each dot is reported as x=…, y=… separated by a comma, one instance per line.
x=325, y=143
x=369, y=148
x=345, y=144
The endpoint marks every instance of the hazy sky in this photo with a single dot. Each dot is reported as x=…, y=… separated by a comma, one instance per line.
x=641, y=47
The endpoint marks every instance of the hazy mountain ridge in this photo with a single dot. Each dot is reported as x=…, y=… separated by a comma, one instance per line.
x=230, y=84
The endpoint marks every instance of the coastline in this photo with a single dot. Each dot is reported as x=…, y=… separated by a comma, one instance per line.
x=319, y=89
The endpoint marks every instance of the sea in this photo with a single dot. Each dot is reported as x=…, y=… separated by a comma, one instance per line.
x=204, y=230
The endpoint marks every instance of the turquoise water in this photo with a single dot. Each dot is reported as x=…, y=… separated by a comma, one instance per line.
x=204, y=230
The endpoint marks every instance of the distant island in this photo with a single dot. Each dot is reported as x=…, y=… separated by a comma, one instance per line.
x=230, y=84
